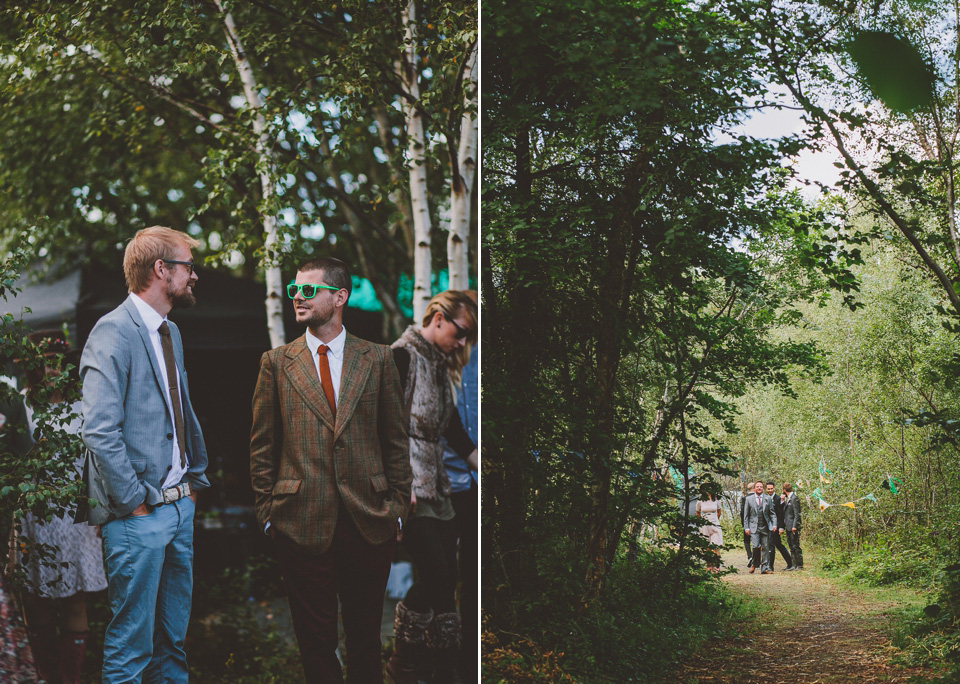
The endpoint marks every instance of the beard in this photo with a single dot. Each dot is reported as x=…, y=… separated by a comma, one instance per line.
x=314, y=317
x=180, y=299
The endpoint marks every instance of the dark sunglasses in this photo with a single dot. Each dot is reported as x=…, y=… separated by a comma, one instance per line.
x=461, y=331
x=308, y=290
x=182, y=263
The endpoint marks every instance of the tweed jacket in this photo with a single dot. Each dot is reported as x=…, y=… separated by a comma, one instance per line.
x=126, y=418
x=303, y=463
x=429, y=403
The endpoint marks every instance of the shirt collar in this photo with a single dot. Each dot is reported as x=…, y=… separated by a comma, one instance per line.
x=150, y=317
x=334, y=346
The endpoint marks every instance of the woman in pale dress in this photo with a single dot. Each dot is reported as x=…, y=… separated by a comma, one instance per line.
x=57, y=586
x=710, y=508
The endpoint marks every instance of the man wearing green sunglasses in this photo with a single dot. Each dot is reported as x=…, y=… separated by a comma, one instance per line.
x=330, y=468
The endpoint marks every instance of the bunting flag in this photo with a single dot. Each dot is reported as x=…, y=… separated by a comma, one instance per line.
x=891, y=483
x=823, y=471
x=853, y=504
x=817, y=494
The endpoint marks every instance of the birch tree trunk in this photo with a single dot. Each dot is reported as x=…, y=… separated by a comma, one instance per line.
x=416, y=160
x=458, y=252
x=267, y=164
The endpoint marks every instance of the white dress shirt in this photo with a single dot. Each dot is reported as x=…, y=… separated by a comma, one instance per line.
x=334, y=358
x=153, y=321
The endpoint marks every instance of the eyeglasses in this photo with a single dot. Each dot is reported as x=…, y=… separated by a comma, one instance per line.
x=461, y=331
x=308, y=290
x=182, y=263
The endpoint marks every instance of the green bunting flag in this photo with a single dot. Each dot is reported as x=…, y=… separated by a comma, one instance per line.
x=824, y=471
x=891, y=483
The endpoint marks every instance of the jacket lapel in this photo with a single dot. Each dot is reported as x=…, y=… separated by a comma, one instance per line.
x=302, y=374
x=148, y=348
x=353, y=378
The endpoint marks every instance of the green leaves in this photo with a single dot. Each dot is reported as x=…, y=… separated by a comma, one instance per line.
x=893, y=69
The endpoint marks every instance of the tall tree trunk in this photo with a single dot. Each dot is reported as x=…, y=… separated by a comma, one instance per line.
x=505, y=490
x=613, y=298
x=268, y=166
x=416, y=163
x=461, y=189
x=397, y=195
x=393, y=317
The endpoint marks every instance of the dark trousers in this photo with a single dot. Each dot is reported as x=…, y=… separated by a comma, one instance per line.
x=432, y=545
x=746, y=545
x=357, y=572
x=465, y=504
x=793, y=538
x=779, y=547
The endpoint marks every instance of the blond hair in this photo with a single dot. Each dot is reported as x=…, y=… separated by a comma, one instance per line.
x=451, y=304
x=143, y=250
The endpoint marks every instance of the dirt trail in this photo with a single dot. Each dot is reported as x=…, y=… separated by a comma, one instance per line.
x=817, y=631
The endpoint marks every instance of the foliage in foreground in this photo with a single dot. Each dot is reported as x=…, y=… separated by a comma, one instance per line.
x=233, y=639
x=636, y=631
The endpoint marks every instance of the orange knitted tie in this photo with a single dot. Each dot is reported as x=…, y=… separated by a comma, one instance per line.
x=326, y=379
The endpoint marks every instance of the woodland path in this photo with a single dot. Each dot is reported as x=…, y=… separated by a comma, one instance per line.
x=811, y=630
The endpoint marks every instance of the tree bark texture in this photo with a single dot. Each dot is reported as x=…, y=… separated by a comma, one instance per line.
x=461, y=192
x=268, y=164
x=416, y=164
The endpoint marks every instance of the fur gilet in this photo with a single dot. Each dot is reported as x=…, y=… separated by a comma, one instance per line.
x=430, y=406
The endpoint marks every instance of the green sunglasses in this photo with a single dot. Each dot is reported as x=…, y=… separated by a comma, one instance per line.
x=308, y=290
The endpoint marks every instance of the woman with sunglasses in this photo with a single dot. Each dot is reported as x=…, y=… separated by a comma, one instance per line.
x=430, y=359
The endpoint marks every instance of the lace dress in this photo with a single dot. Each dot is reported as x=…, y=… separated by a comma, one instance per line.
x=78, y=544
x=710, y=511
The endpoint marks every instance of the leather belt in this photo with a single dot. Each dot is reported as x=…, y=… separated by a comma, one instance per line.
x=181, y=491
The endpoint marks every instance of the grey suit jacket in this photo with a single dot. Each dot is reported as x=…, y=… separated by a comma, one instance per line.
x=791, y=513
x=765, y=515
x=126, y=420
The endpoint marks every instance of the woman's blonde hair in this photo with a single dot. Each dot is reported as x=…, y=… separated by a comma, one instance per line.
x=452, y=304
x=143, y=250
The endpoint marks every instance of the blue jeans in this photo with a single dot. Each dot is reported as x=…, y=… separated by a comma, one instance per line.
x=150, y=573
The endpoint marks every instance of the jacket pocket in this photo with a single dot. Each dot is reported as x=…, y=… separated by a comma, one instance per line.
x=379, y=482
x=286, y=487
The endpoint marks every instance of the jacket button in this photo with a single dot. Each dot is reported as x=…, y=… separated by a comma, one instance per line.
x=169, y=435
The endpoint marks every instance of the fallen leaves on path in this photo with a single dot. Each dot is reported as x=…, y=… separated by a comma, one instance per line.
x=816, y=633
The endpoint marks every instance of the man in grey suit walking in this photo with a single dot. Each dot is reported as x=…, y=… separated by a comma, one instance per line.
x=791, y=522
x=146, y=460
x=760, y=522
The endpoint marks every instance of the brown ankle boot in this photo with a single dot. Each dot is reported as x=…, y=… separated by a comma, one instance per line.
x=410, y=662
x=73, y=648
x=445, y=642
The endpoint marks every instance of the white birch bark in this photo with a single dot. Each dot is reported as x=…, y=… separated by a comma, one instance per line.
x=461, y=189
x=416, y=163
x=268, y=165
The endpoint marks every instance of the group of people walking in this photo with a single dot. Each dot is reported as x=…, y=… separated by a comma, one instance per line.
x=349, y=454
x=766, y=515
